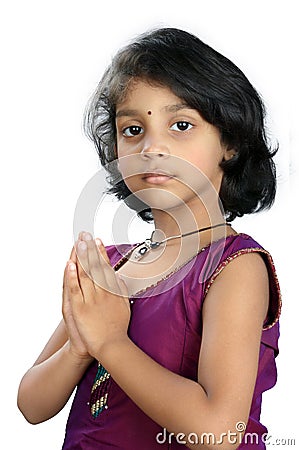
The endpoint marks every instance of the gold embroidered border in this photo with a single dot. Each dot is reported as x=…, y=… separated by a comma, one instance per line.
x=242, y=252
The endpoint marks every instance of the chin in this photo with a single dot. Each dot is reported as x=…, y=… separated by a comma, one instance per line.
x=174, y=194
x=157, y=198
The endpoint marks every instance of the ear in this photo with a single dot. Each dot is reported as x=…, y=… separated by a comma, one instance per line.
x=229, y=154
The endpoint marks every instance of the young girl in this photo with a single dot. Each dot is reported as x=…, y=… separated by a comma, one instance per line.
x=170, y=342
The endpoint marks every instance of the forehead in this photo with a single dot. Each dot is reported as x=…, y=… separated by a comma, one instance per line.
x=139, y=89
x=142, y=94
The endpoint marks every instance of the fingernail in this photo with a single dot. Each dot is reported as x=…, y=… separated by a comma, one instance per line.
x=72, y=266
x=87, y=236
x=82, y=246
x=99, y=242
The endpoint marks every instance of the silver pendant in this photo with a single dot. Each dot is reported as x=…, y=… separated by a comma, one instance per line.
x=145, y=247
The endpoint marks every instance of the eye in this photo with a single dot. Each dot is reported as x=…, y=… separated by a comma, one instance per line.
x=134, y=130
x=181, y=126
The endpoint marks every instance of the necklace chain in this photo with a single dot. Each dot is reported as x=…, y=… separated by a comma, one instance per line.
x=149, y=244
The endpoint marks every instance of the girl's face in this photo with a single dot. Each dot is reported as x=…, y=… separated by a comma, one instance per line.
x=165, y=145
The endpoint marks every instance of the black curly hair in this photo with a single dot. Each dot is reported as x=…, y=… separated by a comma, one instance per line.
x=208, y=82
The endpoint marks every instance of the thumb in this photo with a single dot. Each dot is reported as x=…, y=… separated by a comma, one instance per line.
x=102, y=251
x=73, y=255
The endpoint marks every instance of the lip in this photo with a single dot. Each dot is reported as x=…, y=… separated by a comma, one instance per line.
x=157, y=177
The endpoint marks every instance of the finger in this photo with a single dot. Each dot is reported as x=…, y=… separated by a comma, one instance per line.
x=94, y=265
x=81, y=257
x=104, y=259
x=65, y=293
x=72, y=283
x=73, y=256
x=93, y=259
x=80, y=235
x=101, y=246
x=100, y=269
x=108, y=271
x=85, y=281
x=64, y=285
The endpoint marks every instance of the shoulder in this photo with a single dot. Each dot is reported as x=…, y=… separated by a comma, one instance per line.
x=243, y=259
x=245, y=265
x=241, y=287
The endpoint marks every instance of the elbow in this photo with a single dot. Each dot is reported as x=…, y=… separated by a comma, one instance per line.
x=31, y=408
x=30, y=419
x=28, y=413
x=25, y=405
x=25, y=410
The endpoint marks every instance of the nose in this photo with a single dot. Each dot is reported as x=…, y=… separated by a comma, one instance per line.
x=154, y=150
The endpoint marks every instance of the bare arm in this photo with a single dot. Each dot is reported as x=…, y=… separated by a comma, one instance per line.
x=56, y=341
x=47, y=386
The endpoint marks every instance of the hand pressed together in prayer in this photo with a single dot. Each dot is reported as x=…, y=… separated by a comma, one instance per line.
x=96, y=307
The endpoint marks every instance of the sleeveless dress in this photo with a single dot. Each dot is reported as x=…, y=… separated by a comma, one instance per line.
x=166, y=323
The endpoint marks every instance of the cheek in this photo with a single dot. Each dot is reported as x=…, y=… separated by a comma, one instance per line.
x=207, y=156
x=208, y=166
x=125, y=147
x=130, y=166
x=202, y=169
x=132, y=182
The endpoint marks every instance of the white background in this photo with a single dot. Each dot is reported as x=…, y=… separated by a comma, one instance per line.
x=53, y=54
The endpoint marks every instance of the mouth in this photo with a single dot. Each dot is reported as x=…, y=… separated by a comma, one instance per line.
x=158, y=177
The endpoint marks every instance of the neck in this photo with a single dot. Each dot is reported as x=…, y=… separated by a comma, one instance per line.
x=183, y=220
x=190, y=233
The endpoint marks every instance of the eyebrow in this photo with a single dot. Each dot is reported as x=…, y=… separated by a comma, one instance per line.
x=168, y=108
x=126, y=112
x=176, y=107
